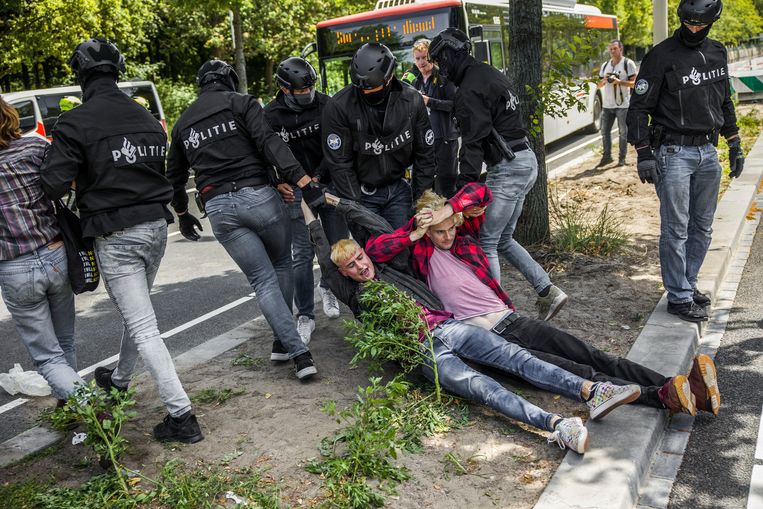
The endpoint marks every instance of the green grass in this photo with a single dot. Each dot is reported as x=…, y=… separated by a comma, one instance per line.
x=578, y=230
x=178, y=486
x=216, y=396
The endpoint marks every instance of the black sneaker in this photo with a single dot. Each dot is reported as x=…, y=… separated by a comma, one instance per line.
x=605, y=161
x=688, y=311
x=279, y=353
x=621, y=162
x=701, y=299
x=179, y=429
x=103, y=379
x=304, y=366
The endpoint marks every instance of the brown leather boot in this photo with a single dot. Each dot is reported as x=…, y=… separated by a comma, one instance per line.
x=677, y=397
x=703, y=380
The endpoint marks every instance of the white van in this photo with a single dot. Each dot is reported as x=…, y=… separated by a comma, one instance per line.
x=39, y=109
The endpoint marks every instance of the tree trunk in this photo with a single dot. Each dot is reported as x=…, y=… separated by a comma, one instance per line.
x=268, y=76
x=238, y=38
x=36, y=72
x=525, y=48
x=25, y=76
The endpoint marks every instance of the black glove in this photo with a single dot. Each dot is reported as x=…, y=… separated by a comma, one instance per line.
x=736, y=157
x=313, y=193
x=187, y=222
x=646, y=165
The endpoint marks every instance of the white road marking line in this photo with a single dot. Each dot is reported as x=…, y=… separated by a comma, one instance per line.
x=13, y=404
x=759, y=447
x=90, y=369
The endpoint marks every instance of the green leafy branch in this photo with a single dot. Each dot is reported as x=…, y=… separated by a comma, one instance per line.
x=391, y=328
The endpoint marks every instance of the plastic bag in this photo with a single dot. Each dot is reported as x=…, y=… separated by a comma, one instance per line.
x=30, y=383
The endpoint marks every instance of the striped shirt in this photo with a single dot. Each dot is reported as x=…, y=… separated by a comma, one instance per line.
x=27, y=221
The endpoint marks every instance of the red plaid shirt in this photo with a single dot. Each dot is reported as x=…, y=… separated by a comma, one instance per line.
x=466, y=247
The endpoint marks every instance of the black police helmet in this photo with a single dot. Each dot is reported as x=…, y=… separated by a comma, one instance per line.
x=217, y=70
x=699, y=12
x=295, y=73
x=372, y=66
x=452, y=38
x=97, y=54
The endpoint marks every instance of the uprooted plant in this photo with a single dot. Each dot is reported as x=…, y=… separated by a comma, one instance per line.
x=391, y=328
x=103, y=415
x=384, y=420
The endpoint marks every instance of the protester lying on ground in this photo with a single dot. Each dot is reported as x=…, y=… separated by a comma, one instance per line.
x=346, y=267
x=33, y=271
x=449, y=259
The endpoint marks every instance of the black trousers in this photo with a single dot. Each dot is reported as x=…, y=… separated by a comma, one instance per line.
x=562, y=349
x=446, y=159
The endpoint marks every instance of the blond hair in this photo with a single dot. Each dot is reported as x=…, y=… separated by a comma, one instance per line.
x=9, y=124
x=343, y=250
x=433, y=201
x=422, y=45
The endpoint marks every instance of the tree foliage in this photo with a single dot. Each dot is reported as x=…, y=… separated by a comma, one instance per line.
x=741, y=20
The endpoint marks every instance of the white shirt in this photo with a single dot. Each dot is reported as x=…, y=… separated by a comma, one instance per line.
x=617, y=96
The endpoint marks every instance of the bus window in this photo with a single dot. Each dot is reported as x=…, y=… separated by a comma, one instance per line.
x=496, y=48
x=337, y=70
x=27, y=121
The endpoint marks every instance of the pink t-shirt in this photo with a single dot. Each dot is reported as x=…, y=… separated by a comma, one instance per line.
x=461, y=292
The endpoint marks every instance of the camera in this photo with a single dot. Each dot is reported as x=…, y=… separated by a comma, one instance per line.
x=611, y=77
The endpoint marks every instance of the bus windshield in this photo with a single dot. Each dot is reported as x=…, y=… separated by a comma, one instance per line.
x=580, y=33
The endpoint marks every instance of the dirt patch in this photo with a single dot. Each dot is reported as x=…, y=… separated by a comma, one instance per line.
x=277, y=423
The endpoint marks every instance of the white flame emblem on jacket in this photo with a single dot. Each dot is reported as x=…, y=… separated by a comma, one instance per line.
x=128, y=150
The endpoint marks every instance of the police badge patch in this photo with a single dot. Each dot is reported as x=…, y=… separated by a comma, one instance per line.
x=334, y=141
x=641, y=87
x=429, y=137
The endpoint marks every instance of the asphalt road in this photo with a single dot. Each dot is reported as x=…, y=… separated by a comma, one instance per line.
x=717, y=464
x=195, y=279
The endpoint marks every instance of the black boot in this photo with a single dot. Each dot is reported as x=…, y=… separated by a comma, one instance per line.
x=700, y=299
x=179, y=429
x=688, y=311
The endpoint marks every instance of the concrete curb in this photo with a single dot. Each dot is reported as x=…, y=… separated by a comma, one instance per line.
x=621, y=447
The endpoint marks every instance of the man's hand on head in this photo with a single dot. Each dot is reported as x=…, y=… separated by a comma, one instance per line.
x=423, y=220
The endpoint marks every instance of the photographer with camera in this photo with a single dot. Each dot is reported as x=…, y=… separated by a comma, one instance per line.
x=618, y=75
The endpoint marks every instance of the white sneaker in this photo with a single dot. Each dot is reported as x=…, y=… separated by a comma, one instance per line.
x=607, y=396
x=305, y=328
x=330, y=304
x=570, y=433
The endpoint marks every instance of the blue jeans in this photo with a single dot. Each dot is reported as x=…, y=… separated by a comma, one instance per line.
x=302, y=250
x=36, y=292
x=608, y=116
x=253, y=227
x=392, y=202
x=129, y=260
x=455, y=342
x=510, y=181
x=688, y=192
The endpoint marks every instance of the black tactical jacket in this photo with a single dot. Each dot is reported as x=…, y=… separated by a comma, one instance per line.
x=684, y=89
x=359, y=151
x=115, y=150
x=225, y=137
x=302, y=131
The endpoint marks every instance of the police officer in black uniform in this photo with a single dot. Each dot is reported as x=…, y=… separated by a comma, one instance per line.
x=683, y=85
x=115, y=150
x=373, y=130
x=226, y=139
x=487, y=110
x=295, y=115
